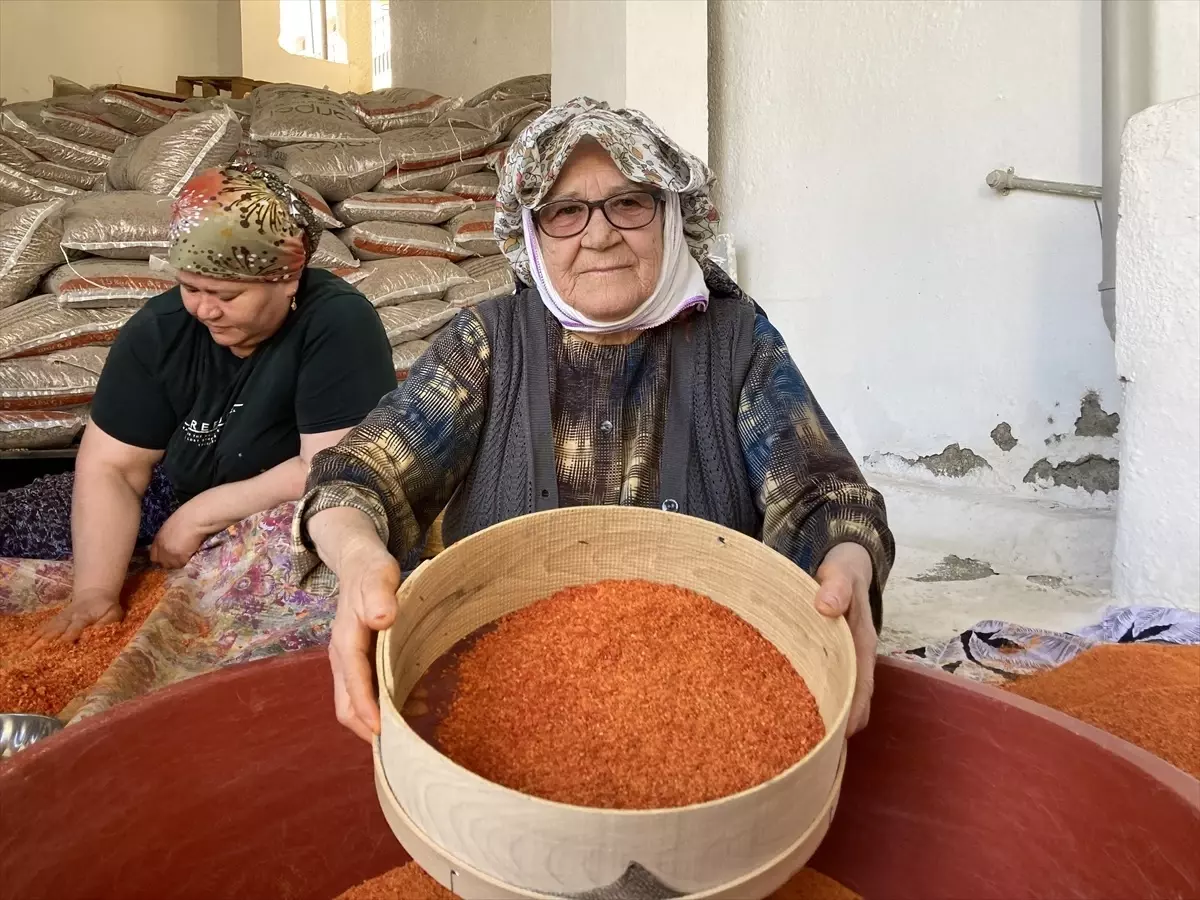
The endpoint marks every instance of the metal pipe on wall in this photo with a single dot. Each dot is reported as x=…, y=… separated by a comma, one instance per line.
x=1126, y=47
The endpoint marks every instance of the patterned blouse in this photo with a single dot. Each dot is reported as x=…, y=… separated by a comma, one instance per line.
x=608, y=411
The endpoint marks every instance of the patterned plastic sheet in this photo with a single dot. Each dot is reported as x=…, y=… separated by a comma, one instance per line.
x=997, y=652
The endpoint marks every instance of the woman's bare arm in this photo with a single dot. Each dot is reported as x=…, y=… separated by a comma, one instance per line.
x=106, y=511
x=219, y=507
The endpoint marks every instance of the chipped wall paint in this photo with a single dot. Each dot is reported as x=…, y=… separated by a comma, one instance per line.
x=1158, y=353
x=851, y=141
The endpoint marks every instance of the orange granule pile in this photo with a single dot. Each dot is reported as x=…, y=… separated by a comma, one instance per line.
x=628, y=695
x=44, y=680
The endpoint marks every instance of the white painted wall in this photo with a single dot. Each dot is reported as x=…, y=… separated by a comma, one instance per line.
x=1158, y=354
x=459, y=47
x=263, y=59
x=1175, y=57
x=645, y=54
x=588, y=50
x=666, y=67
x=105, y=42
x=851, y=141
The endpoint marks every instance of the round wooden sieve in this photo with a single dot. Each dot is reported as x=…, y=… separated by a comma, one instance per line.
x=552, y=848
x=471, y=884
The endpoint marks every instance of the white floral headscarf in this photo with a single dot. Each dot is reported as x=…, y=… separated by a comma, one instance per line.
x=640, y=150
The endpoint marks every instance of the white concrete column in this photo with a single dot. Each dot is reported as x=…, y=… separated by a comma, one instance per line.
x=650, y=55
x=1157, y=554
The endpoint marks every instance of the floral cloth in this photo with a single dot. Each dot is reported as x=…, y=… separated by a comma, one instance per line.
x=241, y=224
x=639, y=148
x=999, y=652
x=231, y=604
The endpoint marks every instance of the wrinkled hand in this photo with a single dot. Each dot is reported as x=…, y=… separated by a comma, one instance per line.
x=178, y=540
x=845, y=579
x=83, y=611
x=368, y=579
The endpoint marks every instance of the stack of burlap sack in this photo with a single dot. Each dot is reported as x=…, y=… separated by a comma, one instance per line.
x=404, y=181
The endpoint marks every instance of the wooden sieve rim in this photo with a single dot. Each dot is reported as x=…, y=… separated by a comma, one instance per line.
x=387, y=704
x=396, y=815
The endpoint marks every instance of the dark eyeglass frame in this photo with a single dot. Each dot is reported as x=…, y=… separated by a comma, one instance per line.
x=592, y=206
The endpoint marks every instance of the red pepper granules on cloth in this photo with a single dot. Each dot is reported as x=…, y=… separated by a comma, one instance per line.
x=406, y=882
x=409, y=882
x=1147, y=694
x=628, y=695
x=46, y=679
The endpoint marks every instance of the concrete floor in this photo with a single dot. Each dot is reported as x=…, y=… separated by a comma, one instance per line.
x=929, y=598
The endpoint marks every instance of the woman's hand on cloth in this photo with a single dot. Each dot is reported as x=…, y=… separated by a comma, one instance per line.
x=845, y=577
x=368, y=578
x=179, y=538
x=85, y=609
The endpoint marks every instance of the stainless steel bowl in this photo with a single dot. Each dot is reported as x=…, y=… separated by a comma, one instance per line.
x=19, y=730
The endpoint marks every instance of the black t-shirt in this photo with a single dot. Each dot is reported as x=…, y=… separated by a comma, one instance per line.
x=168, y=386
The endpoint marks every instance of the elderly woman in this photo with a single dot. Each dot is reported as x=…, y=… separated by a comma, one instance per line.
x=628, y=374
x=214, y=398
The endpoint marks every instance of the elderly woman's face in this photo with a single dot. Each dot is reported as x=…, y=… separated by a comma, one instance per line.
x=603, y=272
x=239, y=315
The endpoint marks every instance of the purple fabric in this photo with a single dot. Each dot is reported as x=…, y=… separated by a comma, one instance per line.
x=35, y=520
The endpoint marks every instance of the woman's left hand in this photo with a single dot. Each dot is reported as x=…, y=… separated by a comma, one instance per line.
x=845, y=579
x=178, y=540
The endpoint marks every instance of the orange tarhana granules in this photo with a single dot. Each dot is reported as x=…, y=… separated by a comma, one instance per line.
x=44, y=680
x=410, y=882
x=1147, y=694
x=628, y=695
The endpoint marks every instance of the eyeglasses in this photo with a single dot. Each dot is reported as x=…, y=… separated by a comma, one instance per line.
x=625, y=212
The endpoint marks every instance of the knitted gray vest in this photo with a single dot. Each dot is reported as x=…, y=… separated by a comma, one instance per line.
x=701, y=468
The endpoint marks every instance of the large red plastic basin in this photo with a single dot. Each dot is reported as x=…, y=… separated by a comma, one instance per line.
x=241, y=784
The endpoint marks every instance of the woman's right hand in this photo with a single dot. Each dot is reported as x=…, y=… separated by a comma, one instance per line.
x=84, y=610
x=368, y=578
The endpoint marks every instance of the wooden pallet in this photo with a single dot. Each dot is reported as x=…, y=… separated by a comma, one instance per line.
x=212, y=85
